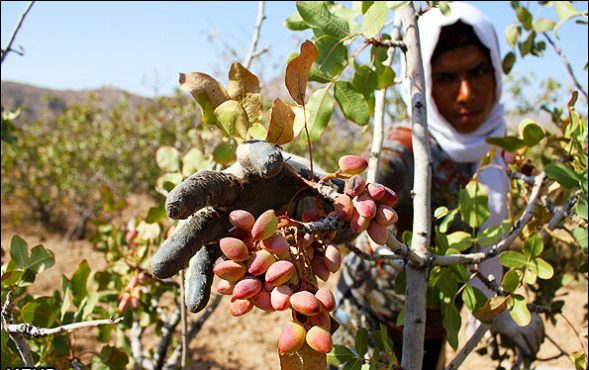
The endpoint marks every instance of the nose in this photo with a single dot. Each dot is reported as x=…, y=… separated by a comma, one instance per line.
x=464, y=91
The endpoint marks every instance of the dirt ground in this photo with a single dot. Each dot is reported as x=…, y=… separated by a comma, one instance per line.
x=249, y=342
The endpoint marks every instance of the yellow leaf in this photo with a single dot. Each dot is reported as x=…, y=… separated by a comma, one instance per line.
x=207, y=92
x=281, y=119
x=244, y=87
x=297, y=72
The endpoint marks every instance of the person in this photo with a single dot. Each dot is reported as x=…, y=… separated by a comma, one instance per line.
x=462, y=66
x=463, y=78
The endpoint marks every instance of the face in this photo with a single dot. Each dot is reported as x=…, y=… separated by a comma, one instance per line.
x=463, y=87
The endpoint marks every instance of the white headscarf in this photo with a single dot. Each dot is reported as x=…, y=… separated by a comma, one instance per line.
x=469, y=147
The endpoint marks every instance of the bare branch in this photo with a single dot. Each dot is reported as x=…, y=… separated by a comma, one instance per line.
x=136, y=348
x=567, y=65
x=35, y=331
x=183, y=320
x=559, y=214
x=167, y=332
x=22, y=18
x=251, y=54
x=468, y=347
x=21, y=344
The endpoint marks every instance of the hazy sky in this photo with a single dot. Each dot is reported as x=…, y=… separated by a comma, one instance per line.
x=142, y=46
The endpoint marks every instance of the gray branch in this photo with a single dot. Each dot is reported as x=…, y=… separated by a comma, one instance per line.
x=251, y=54
x=19, y=24
x=19, y=341
x=35, y=331
x=468, y=347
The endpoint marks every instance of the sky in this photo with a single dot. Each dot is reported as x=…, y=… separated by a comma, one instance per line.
x=141, y=47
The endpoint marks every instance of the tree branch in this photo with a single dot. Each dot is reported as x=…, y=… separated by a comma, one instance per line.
x=136, y=348
x=251, y=54
x=19, y=341
x=22, y=18
x=167, y=332
x=468, y=346
x=415, y=302
x=567, y=65
x=504, y=243
x=35, y=331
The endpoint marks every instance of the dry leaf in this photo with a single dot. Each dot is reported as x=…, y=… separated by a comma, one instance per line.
x=281, y=119
x=207, y=92
x=304, y=359
x=244, y=87
x=297, y=72
x=233, y=119
x=492, y=308
x=299, y=121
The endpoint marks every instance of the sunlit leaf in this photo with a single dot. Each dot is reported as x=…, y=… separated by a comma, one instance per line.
x=473, y=204
x=543, y=25
x=562, y=174
x=148, y=232
x=511, y=280
x=41, y=259
x=374, y=18
x=580, y=360
x=440, y=212
x=581, y=236
x=533, y=246
x=352, y=103
x=541, y=268
x=207, y=92
x=331, y=59
x=18, y=252
x=193, y=161
x=448, y=219
x=224, y=153
x=244, y=87
x=508, y=61
x=340, y=355
x=233, y=118
x=320, y=108
x=531, y=132
x=511, y=34
x=168, y=158
x=451, y=323
x=493, y=234
x=473, y=298
x=156, y=214
x=459, y=240
x=168, y=181
x=79, y=281
x=297, y=72
x=519, y=310
x=512, y=259
x=281, y=119
x=257, y=131
x=316, y=15
x=41, y=312
x=295, y=22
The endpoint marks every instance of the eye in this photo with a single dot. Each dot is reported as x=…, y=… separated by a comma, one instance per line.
x=481, y=69
x=444, y=77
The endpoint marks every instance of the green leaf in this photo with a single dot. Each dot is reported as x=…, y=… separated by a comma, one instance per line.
x=562, y=174
x=493, y=234
x=257, y=131
x=374, y=18
x=340, y=355
x=168, y=158
x=541, y=268
x=513, y=259
x=193, y=161
x=12, y=277
x=361, y=342
x=473, y=298
x=156, y=214
x=384, y=337
x=459, y=240
x=78, y=282
x=580, y=360
x=224, y=153
x=295, y=22
x=233, y=119
x=473, y=204
x=525, y=17
x=508, y=62
x=531, y=276
x=581, y=208
x=531, y=133
x=444, y=8
x=519, y=310
x=352, y=103
x=331, y=59
x=316, y=15
x=110, y=358
x=451, y=323
x=440, y=212
x=168, y=181
x=543, y=25
x=320, y=107
x=19, y=252
x=511, y=34
x=580, y=235
x=509, y=143
x=511, y=280
x=533, y=246
x=41, y=312
x=447, y=221
x=386, y=77
x=565, y=10
x=395, y=5
x=365, y=81
x=41, y=259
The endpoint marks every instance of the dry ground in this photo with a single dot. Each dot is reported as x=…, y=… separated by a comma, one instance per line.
x=248, y=342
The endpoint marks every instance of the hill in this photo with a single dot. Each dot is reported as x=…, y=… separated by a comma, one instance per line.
x=36, y=100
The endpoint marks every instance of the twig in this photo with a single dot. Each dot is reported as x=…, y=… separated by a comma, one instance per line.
x=35, y=331
x=504, y=243
x=195, y=327
x=167, y=332
x=251, y=54
x=19, y=341
x=136, y=348
x=468, y=347
x=559, y=214
x=183, y=320
x=376, y=256
x=22, y=18
x=567, y=65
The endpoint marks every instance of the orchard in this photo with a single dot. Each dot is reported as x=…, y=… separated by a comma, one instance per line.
x=253, y=205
